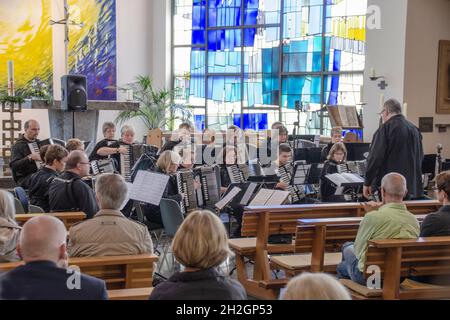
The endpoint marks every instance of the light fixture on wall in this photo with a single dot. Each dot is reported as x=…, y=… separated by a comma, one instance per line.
x=383, y=84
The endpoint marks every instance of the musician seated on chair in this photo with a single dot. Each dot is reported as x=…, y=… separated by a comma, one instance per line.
x=68, y=192
x=109, y=131
x=168, y=163
x=229, y=156
x=387, y=220
x=115, y=149
x=74, y=144
x=55, y=158
x=336, y=156
x=284, y=158
x=23, y=161
x=109, y=232
x=336, y=136
x=280, y=134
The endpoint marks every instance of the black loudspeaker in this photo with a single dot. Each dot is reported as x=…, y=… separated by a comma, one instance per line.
x=73, y=93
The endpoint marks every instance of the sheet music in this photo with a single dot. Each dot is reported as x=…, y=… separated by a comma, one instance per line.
x=278, y=197
x=351, y=177
x=148, y=187
x=129, y=186
x=336, y=178
x=261, y=197
x=227, y=199
x=248, y=194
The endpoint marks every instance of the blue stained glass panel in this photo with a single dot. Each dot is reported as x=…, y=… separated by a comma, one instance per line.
x=252, y=121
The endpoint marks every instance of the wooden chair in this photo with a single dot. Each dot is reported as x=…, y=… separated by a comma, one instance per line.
x=397, y=258
x=130, y=294
x=119, y=272
x=68, y=218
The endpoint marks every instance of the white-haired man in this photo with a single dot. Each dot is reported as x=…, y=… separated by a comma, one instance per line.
x=45, y=276
x=387, y=220
x=109, y=233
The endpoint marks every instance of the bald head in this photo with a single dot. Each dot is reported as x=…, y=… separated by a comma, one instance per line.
x=42, y=238
x=394, y=185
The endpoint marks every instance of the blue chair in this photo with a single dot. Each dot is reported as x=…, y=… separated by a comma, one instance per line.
x=22, y=196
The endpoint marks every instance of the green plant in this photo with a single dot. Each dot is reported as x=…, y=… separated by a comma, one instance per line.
x=12, y=99
x=156, y=109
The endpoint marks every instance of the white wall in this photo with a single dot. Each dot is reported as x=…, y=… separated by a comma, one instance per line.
x=385, y=52
x=428, y=22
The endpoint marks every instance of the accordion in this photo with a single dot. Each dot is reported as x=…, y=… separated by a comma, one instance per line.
x=36, y=146
x=238, y=173
x=296, y=192
x=102, y=166
x=357, y=167
x=209, y=194
x=186, y=187
x=134, y=153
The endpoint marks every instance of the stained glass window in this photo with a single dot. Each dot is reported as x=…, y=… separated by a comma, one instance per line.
x=250, y=62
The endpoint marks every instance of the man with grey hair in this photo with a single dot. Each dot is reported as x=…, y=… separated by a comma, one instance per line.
x=68, y=192
x=45, y=276
x=109, y=233
x=387, y=220
x=396, y=147
x=23, y=161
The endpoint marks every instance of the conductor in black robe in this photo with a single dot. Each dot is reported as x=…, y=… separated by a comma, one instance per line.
x=396, y=147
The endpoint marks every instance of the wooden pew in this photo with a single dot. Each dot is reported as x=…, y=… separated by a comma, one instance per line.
x=405, y=258
x=119, y=272
x=130, y=294
x=318, y=245
x=68, y=218
x=260, y=222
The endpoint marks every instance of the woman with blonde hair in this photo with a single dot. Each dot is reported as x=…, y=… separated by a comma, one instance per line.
x=201, y=246
x=168, y=163
x=9, y=229
x=315, y=286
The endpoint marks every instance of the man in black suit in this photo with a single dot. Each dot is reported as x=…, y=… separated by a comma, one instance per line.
x=396, y=147
x=45, y=276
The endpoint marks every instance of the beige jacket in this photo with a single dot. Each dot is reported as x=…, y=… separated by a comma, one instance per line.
x=109, y=233
x=9, y=237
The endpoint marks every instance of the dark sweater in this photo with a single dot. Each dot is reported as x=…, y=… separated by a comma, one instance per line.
x=436, y=224
x=206, y=284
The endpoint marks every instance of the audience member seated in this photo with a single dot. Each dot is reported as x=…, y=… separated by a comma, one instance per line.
x=55, y=161
x=438, y=223
x=389, y=220
x=336, y=136
x=74, y=144
x=9, y=229
x=315, y=286
x=45, y=276
x=201, y=246
x=68, y=192
x=109, y=130
x=337, y=155
x=109, y=232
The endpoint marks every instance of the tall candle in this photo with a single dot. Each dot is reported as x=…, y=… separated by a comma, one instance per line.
x=372, y=73
x=382, y=100
x=361, y=95
x=405, y=109
x=10, y=64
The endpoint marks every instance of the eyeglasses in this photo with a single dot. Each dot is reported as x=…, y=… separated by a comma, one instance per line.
x=381, y=112
x=84, y=163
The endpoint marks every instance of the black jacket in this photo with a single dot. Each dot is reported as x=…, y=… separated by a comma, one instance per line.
x=72, y=196
x=327, y=188
x=21, y=167
x=206, y=284
x=101, y=144
x=43, y=280
x=436, y=224
x=39, y=184
x=396, y=147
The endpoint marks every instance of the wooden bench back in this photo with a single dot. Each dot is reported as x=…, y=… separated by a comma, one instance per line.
x=119, y=272
x=283, y=219
x=68, y=218
x=418, y=257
